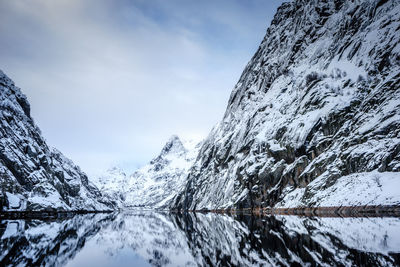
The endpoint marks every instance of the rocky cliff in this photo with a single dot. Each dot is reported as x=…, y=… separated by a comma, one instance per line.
x=34, y=176
x=316, y=111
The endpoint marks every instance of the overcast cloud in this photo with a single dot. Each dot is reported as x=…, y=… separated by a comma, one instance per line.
x=110, y=81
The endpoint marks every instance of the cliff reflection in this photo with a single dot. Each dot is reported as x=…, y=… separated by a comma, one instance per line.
x=164, y=239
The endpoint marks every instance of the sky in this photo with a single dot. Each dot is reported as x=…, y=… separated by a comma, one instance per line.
x=109, y=81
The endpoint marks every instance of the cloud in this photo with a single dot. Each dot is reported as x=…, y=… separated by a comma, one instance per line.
x=110, y=81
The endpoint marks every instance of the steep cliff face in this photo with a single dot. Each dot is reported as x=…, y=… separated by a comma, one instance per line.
x=318, y=102
x=157, y=183
x=34, y=176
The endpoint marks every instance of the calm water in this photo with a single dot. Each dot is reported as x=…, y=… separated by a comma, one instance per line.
x=161, y=239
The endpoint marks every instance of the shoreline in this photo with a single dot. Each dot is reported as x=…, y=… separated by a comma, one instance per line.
x=333, y=211
x=4, y=215
x=339, y=211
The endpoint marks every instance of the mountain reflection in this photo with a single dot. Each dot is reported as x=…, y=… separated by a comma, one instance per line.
x=164, y=239
x=46, y=243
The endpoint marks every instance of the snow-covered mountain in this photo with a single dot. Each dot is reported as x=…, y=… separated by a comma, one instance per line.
x=155, y=184
x=316, y=111
x=34, y=176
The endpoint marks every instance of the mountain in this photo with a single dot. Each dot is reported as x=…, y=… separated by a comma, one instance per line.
x=157, y=183
x=315, y=114
x=114, y=184
x=34, y=176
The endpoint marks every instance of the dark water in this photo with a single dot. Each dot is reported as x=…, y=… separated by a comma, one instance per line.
x=160, y=239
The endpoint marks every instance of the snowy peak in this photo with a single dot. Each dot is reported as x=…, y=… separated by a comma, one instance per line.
x=173, y=146
x=14, y=94
x=116, y=171
x=154, y=185
x=157, y=183
x=173, y=154
x=112, y=175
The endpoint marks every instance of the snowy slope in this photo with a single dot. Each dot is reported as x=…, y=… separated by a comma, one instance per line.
x=34, y=176
x=114, y=184
x=318, y=101
x=357, y=189
x=157, y=183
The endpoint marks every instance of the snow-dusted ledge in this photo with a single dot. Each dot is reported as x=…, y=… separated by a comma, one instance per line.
x=357, y=189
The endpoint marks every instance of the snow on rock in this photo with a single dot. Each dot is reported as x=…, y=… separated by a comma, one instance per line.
x=34, y=176
x=157, y=183
x=319, y=100
x=357, y=189
x=113, y=183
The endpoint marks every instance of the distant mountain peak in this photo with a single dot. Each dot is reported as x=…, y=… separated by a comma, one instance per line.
x=157, y=183
x=173, y=145
x=116, y=170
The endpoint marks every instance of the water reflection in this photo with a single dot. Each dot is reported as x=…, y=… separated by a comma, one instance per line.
x=46, y=243
x=162, y=239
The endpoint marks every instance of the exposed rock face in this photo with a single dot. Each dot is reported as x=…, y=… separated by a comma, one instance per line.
x=319, y=100
x=34, y=176
x=156, y=184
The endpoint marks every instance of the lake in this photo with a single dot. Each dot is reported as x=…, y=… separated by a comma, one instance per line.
x=148, y=238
